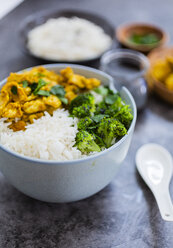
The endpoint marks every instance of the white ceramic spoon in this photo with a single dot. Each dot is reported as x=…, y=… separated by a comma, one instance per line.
x=154, y=164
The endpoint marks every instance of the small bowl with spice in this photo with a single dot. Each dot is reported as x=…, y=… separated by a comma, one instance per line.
x=142, y=37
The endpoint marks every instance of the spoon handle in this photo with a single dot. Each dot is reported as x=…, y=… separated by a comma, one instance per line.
x=165, y=204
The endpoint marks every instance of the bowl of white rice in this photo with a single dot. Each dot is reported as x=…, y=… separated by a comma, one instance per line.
x=66, y=36
x=42, y=161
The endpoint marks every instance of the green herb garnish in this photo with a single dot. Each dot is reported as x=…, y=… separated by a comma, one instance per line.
x=145, y=39
x=101, y=90
x=25, y=83
x=40, y=84
x=98, y=118
x=64, y=100
x=33, y=86
x=57, y=90
x=110, y=99
x=43, y=93
x=14, y=90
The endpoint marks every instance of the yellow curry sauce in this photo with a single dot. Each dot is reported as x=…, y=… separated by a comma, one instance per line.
x=26, y=95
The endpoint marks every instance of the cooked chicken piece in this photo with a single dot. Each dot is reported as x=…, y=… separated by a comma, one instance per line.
x=12, y=110
x=15, y=91
x=4, y=99
x=49, y=85
x=27, y=91
x=17, y=126
x=32, y=97
x=67, y=73
x=73, y=88
x=91, y=83
x=52, y=101
x=70, y=95
x=35, y=117
x=34, y=106
x=50, y=110
x=20, y=96
x=77, y=80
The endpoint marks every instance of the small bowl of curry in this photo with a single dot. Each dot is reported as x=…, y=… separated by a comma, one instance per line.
x=142, y=37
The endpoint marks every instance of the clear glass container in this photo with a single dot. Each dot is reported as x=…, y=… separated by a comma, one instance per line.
x=128, y=68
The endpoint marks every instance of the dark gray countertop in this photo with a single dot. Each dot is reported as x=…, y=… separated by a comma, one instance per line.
x=124, y=214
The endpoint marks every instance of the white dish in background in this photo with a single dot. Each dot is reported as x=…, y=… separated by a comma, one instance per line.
x=68, y=181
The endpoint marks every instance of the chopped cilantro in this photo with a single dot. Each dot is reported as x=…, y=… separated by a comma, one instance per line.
x=25, y=83
x=64, y=100
x=57, y=90
x=40, y=84
x=14, y=90
x=43, y=93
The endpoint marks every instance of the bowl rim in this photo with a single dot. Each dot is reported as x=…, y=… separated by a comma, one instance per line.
x=85, y=159
x=45, y=13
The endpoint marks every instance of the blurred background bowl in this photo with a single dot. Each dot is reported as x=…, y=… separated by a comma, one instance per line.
x=124, y=33
x=154, y=84
x=41, y=17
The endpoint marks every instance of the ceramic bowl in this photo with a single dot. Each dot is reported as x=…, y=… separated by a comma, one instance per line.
x=125, y=31
x=41, y=17
x=68, y=181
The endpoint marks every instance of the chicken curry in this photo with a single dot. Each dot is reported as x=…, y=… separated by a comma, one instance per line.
x=26, y=95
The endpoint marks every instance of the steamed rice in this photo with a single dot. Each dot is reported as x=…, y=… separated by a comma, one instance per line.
x=49, y=138
x=68, y=39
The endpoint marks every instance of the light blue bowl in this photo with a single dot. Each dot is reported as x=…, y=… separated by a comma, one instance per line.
x=68, y=181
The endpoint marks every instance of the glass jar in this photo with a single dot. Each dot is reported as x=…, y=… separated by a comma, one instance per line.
x=128, y=68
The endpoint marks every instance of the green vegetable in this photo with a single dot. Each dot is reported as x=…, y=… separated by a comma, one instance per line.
x=98, y=118
x=25, y=83
x=85, y=142
x=110, y=129
x=57, y=90
x=40, y=84
x=33, y=86
x=85, y=123
x=145, y=39
x=102, y=90
x=43, y=93
x=83, y=105
x=14, y=90
x=63, y=100
x=110, y=99
x=124, y=115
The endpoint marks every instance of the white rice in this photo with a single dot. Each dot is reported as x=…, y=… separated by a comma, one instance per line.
x=49, y=138
x=68, y=39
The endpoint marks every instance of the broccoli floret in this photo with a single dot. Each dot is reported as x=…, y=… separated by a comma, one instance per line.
x=110, y=105
x=85, y=123
x=85, y=142
x=110, y=129
x=83, y=105
x=124, y=115
x=101, y=108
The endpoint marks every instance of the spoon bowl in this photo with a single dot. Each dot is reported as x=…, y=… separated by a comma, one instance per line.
x=154, y=164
